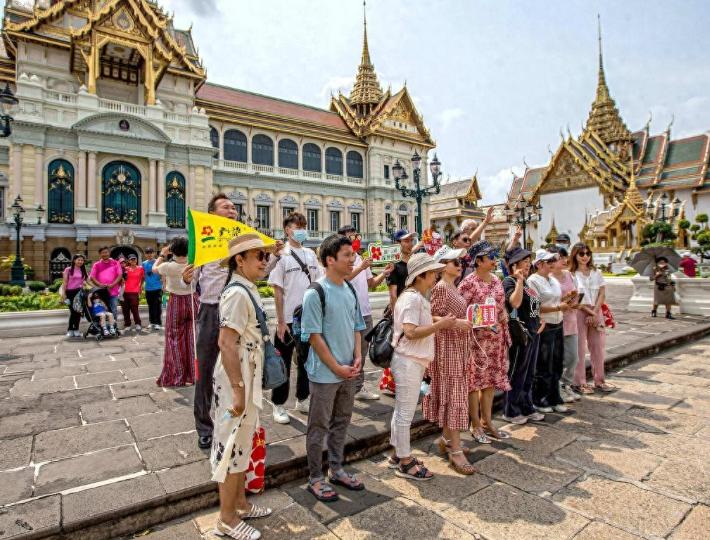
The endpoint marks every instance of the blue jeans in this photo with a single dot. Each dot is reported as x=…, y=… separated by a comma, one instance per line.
x=114, y=308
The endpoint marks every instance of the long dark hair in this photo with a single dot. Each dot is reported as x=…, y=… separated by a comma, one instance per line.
x=580, y=246
x=232, y=268
x=84, y=274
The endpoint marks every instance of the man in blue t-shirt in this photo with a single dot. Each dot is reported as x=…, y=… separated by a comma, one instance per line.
x=153, y=290
x=333, y=366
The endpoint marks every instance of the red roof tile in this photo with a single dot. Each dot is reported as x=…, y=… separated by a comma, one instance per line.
x=256, y=102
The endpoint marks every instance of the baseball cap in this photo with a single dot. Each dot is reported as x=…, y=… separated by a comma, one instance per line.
x=544, y=255
x=402, y=234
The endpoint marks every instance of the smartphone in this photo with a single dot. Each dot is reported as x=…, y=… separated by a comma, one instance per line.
x=579, y=298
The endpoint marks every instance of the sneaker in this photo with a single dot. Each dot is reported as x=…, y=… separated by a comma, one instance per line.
x=543, y=409
x=280, y=415
x=561, y=408
x=138, y=328
x=112, y=331
x=366, y=394
x=106, y=332
x=304, y=405
x=519, y=420
x=536, y=417
x=574, y=394
x=70, y=333
x=565, y=395
x=78, y=334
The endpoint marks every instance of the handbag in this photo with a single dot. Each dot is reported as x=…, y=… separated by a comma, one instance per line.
x=519, y=334
x=609, y=320
x=254, y=476
x=380, y=338
x=274, y=372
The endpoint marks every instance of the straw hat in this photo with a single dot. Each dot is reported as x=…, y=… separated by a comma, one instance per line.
x=245, y=242
x=418, y=264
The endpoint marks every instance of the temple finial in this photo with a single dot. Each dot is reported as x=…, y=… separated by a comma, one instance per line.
x=366, y=91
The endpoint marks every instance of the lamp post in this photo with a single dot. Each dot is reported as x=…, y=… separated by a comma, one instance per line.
x=7, y=100
x=379, y=228
x=417, y=192
x=40, y=213
x=17, y=273
x=522, y=213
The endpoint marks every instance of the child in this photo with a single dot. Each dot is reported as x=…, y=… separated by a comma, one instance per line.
x=98, y=309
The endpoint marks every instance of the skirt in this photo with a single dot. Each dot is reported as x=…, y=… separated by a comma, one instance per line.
x=179, y=355
x=664, y=297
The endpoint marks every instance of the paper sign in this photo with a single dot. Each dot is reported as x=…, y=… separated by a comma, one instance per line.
x=432, y=241
x=482, y=314
x=381, y=253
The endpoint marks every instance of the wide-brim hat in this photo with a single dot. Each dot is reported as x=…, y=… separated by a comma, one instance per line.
x=245, y=242
x=445, y=253
x=516, y=254
x=482, y=248
x=418, y=264
x=543, y=255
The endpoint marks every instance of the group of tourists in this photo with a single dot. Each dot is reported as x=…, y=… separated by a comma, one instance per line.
x=116, y=283
x=548, y=314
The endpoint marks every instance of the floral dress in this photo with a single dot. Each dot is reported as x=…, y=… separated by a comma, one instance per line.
x=233, y=436
x=447, y=402
x=489, y=351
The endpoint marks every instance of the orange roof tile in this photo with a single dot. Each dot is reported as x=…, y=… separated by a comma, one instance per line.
x=259, y=103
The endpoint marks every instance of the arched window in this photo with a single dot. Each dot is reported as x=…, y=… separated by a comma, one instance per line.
x=60, y=199
x=311, y=158
x=175, y=200
x=354, y=164
x=214, y=139
x=334, y=161
x=121, y=193
x=262, y=150
x=288, y=154
x=235, y=145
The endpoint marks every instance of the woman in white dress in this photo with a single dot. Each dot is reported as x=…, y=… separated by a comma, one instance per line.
x=237, y=385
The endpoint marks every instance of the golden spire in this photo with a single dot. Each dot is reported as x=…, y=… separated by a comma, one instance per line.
x=604, y=117
x=366, y=91
x=633, y=195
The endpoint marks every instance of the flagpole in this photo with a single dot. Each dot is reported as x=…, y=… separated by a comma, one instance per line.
x=193, y=290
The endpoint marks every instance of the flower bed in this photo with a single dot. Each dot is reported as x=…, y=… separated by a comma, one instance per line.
x=31, y=302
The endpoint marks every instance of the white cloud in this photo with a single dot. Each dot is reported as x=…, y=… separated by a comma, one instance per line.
x=495, y=188
x=335, y=85
x=448, y=116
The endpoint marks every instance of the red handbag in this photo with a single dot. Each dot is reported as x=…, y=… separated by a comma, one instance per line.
x=387, y=381
x=254, y=476
x=608, y=315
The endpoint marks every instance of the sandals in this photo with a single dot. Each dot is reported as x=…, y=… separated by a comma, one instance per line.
x=466, y=470
x=393, y=462
x=348, y=481
x=445, y=447
x=241, y=532
x=325, y=493
x=254, y=512
x=585, y=389
x=480, y=436
x=502, y=435
x=605, y=387
x=405, y=471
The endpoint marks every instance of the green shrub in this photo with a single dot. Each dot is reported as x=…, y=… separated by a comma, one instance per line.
x=14, y=290
x=31, y=302
x=36, y=286
x=54, y=287
x=266, y=292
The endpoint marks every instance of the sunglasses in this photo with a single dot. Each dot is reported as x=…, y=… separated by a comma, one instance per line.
x=455, y=262
x=263, y=256
x=585, y=254
x=466, y=240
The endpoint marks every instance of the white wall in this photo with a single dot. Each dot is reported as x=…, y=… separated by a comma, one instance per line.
x=568, y=209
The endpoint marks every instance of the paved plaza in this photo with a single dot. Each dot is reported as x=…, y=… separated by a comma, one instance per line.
x=628, y=465
x=90, y=446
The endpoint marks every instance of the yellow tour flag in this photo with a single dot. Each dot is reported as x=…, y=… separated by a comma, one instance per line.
x=209, y=235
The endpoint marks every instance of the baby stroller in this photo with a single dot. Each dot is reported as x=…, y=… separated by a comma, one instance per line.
x=82, y=305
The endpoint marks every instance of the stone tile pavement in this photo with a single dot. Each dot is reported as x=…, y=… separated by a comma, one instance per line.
x=622, y=466
x=87, y=438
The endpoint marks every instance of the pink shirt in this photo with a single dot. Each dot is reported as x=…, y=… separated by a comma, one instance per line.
x=569, y=317
x=107, y=272
x=75, y=279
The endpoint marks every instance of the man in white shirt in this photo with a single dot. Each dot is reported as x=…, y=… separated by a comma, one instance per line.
x=362, y=279
x=295, y=270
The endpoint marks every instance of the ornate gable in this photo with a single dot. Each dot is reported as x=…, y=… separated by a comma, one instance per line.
x=564, y=172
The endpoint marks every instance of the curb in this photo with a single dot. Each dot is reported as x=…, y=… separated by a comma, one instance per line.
x=133, y=519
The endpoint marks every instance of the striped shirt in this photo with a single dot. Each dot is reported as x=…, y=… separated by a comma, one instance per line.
x=211, y=278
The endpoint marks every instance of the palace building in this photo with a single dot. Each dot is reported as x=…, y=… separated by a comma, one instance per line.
x=117, y=132
x=605, y=185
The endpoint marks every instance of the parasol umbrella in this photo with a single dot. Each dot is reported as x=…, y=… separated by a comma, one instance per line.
x=644, y=261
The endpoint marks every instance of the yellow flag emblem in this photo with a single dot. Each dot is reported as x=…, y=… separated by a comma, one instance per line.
x=209, y=236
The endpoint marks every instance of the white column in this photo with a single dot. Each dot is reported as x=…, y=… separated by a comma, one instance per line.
x=91, y=184
x=16, y=185
x=80, y=188
x=152, y=186
x=40, y=186
x=160, y=188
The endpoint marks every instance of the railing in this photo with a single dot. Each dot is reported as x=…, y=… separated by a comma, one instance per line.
x=117, y=106
x=263, y=168
x=312, y=174
x=287, y=171
x=228, y=164
x=60, y=97
x=354, y=180
x=176, y=117
x=334, y=177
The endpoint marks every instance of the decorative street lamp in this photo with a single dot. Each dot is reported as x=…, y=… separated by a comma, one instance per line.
x=417, y=192
x=17, y=273
x=40, y=212
x=379, y=228
x=522, y=213
x=7, y=99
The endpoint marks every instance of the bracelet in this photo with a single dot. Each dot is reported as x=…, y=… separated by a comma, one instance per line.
x=240, y=384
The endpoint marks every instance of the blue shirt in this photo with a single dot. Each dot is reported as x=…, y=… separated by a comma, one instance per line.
x=152, y=279
x=342, y=319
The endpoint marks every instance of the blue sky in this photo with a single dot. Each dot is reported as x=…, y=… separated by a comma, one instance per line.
x=495, y=80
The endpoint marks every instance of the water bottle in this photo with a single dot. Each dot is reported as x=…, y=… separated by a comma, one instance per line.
x=296, y=326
